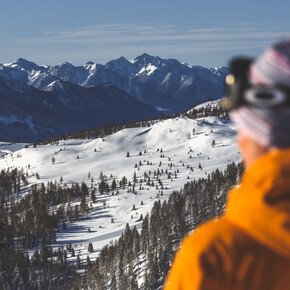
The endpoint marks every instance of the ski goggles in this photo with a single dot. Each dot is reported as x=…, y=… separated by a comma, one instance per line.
x=239, y=91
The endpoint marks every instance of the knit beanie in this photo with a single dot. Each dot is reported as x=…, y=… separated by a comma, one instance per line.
x=269, y=127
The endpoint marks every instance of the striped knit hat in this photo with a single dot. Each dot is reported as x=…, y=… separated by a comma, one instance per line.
x=269, y=127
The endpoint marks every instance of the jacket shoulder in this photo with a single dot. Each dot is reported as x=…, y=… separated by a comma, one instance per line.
x=203, y=253
x=219, y=255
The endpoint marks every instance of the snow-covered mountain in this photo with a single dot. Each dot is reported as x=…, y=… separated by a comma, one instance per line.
x=165, y=84
x=176, y=146
x=28, y=114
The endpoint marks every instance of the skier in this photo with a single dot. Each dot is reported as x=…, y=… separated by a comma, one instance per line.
x=249, y=248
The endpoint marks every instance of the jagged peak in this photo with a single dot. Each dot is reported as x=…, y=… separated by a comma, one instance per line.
x=122, y=66
x=120, y=60
x=145, y=55
x=143, y=58
x=20, y=60
x=25, y=64
x=68, y=64
x=146, y=59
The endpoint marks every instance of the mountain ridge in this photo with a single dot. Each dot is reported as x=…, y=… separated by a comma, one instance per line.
x=31, y=115
x=145, y=77
x=52, y=100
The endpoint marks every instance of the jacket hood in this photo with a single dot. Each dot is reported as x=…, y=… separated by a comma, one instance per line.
x=261, y=204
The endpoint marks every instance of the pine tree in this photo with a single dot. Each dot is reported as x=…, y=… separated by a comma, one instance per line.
x=145, y=234
x=93, y=196
x=103, y=187
x=114, y=184
x=135, y=177
x=83, y=205
x=153, y=271
x=90, y=248
x=113, y=282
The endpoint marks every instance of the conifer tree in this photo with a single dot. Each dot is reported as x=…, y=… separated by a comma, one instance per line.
x=90, y=248
x=114, y=184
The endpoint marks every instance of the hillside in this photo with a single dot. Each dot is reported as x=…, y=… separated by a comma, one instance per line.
x=167, y=146
x=28, y=114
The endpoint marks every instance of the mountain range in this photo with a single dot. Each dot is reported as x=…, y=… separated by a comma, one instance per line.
x=40, y=102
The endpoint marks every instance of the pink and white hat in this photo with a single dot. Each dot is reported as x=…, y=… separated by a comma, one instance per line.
x=270, y=127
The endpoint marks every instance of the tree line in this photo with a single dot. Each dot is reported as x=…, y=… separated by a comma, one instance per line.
x=149, y=254
x=138, y=255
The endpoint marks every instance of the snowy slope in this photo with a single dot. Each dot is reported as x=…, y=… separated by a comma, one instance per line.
x=6, y=147
x=75, y=160
x=212, y=104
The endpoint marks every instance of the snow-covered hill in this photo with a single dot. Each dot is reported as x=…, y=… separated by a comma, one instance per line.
x=174, y=151
x=6, y=147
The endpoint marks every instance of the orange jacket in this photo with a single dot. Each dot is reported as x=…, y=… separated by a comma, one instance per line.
x=249, y=248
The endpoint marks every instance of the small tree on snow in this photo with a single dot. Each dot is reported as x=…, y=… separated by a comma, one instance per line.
x=101, y=176
x=93, y=196
x=103, y=187
x=114, y=184
x=90, y=248
x=78, y=262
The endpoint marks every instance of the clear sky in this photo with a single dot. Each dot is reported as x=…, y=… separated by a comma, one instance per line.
x=206, y=32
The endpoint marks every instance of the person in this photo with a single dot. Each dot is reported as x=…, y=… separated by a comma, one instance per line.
x=249, y=247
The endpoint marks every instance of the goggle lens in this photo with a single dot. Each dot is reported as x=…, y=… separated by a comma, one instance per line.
x=265, y=96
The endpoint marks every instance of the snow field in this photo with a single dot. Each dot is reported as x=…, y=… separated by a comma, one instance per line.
x=7, y=147
x=168, y=142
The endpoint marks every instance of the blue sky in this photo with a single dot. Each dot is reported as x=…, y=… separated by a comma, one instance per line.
x=206, y=33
